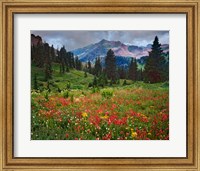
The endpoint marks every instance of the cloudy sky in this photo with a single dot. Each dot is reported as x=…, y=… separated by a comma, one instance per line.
x=77, y=39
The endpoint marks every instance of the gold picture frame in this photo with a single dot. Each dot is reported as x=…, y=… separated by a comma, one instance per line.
x=10, y=7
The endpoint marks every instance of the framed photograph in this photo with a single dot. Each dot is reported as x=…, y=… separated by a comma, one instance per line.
x=99, y=85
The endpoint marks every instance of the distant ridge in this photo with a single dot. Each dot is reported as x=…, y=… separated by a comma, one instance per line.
x=99, y=49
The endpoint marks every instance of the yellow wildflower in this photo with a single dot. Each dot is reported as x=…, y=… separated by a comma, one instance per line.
x=134, y=134
x=149, y=134
x=143, y=115
x=104, y=117
x=84, y=114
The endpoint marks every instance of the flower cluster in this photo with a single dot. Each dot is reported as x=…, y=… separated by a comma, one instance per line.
x=130, y=114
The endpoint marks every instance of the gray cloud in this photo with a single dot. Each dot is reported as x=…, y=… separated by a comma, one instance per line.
x=77, y=39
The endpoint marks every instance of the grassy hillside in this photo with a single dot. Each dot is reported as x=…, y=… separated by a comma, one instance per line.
x=76, y=78
x=78, y=81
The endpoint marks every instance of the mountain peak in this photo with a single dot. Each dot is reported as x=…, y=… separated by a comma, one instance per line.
x=35, y=40
x=103, y=41
x=120, y=49
x=110, y=43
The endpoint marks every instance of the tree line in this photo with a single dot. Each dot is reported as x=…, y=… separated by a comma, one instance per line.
x=156, y=68
x=43, y=55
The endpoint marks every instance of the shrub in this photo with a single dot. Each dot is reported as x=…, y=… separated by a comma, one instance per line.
x=40, y=84
x=165, y=84
x=68, y=85
x=85, y=74
x=95, y=90
x=107, y=93
x=79, y=87
x=90, y=85
x=95, y=82
x=124, y=83
x=46, y=95
x=58, y=89
x=72, y=98
x=65, y=93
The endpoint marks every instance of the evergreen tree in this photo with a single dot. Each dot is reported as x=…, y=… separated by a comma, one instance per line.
x=122, y=73
x=85, y=74
x=132, y=73
x=76, y=62
x=104, y=77
x=97, y=67
x=140, y=75
x=166, y=67
x=67, y=61
x=102, y=80
x=47, y=65
x=33, y=53
x=35, y=86
x=48, y=87
x=70, y=59
x=95, y=82
x=39, y=55
x=110, y=66
x=62, y=58
x=79, y=66
x=89, y=67
x=57, y=60
x=154, y=68
x=52, y=53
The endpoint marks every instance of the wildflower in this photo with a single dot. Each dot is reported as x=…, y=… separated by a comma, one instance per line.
x=131, y=129
x=63, y=101
x=121, y=132
x=104, y=117
x=84, y=114
x=76, y=100
x=165, y=117
x=134, y=134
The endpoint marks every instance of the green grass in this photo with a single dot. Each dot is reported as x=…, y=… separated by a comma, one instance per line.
x=75, y=77
x=79, y=82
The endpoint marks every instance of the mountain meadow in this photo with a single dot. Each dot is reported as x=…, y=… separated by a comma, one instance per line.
x=103, y=91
